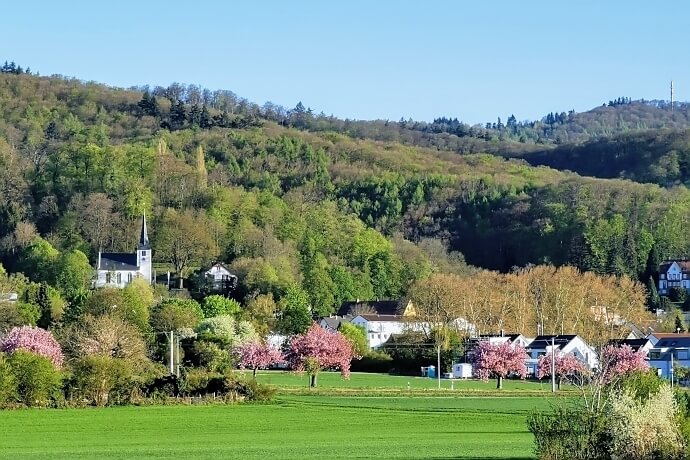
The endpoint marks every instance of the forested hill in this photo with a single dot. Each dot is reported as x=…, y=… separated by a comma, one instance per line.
x=657, y=156
x=292, y=210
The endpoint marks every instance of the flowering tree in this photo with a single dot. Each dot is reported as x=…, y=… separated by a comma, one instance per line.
x=319, y=349
x=35, y=340
x=498, y=361
x=566, y=365
x=258, y=355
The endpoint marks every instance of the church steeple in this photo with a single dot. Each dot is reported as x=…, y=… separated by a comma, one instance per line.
x=144, y=235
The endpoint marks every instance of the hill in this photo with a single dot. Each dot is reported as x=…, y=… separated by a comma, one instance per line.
x=338, y=217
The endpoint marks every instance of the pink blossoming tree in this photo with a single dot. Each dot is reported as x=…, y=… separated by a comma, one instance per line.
x=35, y=340
x=319, y=349
x=257, y=355
x=566, y=366
x=616, y=362
x=498, y=361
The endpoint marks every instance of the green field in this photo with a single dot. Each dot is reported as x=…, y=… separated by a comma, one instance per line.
x=295, y=427
x=312, y=426
x=384, y=381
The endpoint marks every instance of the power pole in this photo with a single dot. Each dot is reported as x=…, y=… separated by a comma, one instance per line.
x=553, y=364
x=172, y=352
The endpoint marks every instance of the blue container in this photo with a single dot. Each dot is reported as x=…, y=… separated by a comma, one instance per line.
x=431, y=372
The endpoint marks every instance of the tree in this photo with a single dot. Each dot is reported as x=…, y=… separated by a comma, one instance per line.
x=226, y=330
x=498, y=361
x=295, y=311
x=677, y=294
x=357, y=336
x=653, y=301
x=34, y=340
x=437, y=301
x=175, y=314
x=183, y=239
x=257, y=355
x=217, y=305
x=110, y=336
x=319, y=349
x=72, y=272
x=566, y=365
x=679, y=327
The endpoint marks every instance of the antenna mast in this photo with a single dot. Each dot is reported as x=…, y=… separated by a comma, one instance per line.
x=671, y=95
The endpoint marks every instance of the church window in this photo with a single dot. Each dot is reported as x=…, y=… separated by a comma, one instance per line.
x=129, y=277
x=107, y=278
x=119, y=278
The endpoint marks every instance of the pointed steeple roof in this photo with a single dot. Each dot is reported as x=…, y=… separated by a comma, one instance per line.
x=144, y=235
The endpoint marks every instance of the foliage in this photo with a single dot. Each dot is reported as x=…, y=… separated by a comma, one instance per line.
x=295, y=311
x=8, y=383
x=498, y=361
x=320, y=349
x=37, y=379
x=95, y=377
x=34, y=340
x=357, y=336
x=217, y=305
x=678, y=294
x=257, y=355
x=175, y=314
x=226, y=330
x=107, y=336
x=569, y=433
x=566, y=366
x=645, y=429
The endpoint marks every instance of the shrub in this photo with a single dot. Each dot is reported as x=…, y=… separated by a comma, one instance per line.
x=250, y=389
x=211, y=356
x=570, y=433
x=199, y=382
x=38, y=382
x=8, y=383
x=374, y=361
x=677, y=294
x=95, y=377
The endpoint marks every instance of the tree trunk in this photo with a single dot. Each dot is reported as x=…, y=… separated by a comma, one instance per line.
x=499, y=383
x=313, y=381
x=254, y=373
x=558, y=383
x=181, y=287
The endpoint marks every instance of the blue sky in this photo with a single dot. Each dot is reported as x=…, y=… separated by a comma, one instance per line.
x=475, y=60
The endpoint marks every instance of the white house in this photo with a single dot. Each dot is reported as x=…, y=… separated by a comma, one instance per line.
x=380, y=327
x=220, y=277
x=674, y=273
x=572, y=344
x=118, y=269
x=517, y=339
x=643, y=345
x=669, y=352
x=332, y=323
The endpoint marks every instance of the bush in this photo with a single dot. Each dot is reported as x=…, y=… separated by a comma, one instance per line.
x=200, y=382
x=95, y=378
x=374, y=361
x=8, y=383
x=211, y=356
x=250, y=389
x=217, y=305
x=677, y=294
x=38, y=382
x=569, y=433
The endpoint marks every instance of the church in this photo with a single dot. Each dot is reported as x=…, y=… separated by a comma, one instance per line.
x=118, y=269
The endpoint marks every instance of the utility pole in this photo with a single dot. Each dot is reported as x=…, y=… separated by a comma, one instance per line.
x=438, y=363
x=172, y=352
x=553, y=364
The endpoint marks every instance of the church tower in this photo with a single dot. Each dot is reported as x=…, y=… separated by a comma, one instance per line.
x=144, y=252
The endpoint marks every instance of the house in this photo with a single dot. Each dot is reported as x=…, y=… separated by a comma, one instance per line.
x=332, y=323
x=572, y=344
x=119, y=269
x=517, y=339
x=636, y=344
x=379, y=328
x=219, y=278
x=669, y=352
x=376, y=307
x=674, y=273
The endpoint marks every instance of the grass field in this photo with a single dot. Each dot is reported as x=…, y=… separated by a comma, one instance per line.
x=384, y=381
x=308, y=427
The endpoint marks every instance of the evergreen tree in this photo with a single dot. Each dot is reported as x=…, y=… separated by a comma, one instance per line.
x=653, y=301
x=44, y=306
x=679, y=324
x=178, y=116
x=205, y=120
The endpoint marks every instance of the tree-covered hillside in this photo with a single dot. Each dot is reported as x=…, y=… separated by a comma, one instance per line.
x=326, y=214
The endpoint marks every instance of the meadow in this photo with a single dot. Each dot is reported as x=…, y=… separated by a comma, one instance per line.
x=295, y=426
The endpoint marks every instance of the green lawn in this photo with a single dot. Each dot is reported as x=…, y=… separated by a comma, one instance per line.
x=384, y=381
x=310, y=427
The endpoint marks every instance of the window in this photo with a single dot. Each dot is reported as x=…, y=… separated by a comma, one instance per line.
x=683, y=354
x=129, y=277
x=654, y=355
x=662, y=276
x=119, y=278
x=107, y=278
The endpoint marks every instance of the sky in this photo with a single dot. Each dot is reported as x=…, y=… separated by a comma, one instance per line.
x=474, y=60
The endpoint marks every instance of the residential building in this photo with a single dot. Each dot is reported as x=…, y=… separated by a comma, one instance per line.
x=636, y=344
x=572, y=344
x=517, y=339
x=119, y=269
x=219, y=278
x=674, y=273
x=332, y=323
x=669, y=352
x=376, y=307
x=379, y=328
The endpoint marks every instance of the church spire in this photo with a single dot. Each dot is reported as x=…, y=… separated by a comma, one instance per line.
x=144, y=235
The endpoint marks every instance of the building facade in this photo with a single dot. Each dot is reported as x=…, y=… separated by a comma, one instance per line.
x=118, y=269
x=674, y=273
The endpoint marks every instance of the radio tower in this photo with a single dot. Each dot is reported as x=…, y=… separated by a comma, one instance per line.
x=671, y=95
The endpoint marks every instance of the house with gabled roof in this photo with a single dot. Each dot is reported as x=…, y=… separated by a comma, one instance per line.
x=564, y=343
x=643, y=345
x=376, y=307
x=118, y=269
x=668, y=353
x=674, y=273
x=379, y=328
